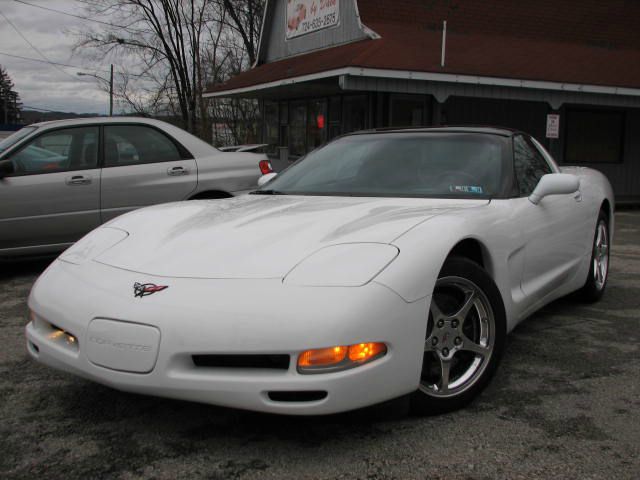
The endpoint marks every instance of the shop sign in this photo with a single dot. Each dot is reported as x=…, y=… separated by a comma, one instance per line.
x=306, y=16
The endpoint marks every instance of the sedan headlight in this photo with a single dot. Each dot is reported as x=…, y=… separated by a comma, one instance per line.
x=93, y=244
x=342, y=265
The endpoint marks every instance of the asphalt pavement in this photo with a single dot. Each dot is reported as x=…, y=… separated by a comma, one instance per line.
x=565, y=404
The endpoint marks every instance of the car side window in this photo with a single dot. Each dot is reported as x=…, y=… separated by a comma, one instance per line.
x=60, y=150
x=529, y=165
x=137, y=144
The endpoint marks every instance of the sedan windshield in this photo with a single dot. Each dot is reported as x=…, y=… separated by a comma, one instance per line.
x=442, y=164
x=15, y=138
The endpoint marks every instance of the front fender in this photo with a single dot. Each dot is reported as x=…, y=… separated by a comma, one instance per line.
x=424, y=249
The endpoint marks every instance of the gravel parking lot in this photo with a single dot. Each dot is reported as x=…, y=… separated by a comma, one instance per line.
x=565, y=404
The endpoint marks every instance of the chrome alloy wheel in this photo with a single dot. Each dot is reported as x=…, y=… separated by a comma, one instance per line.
x=460, y=338
x=601, y=255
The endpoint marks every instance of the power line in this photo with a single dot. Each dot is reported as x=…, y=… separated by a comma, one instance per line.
x=80, y=17
x=44, y=109
x=50, y=62
x=66, y=65
x=33, y=46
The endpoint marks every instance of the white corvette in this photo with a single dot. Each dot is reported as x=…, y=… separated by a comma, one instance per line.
x=383, y=264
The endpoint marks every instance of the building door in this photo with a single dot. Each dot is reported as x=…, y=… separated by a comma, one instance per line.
x=554, y=245
x=407, y=110
x=297, y=128
x=142, y=166
x=53, y=196
x=355, y=112
x=316, y=123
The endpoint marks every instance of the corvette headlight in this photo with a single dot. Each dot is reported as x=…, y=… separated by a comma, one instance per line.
x=342, y=265
x=93, y=244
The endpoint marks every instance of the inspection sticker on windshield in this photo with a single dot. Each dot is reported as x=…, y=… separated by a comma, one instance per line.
x=465, y=189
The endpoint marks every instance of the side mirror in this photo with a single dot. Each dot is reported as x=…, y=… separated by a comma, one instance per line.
x=554, y=184
x=265, y=178
x=6, y=168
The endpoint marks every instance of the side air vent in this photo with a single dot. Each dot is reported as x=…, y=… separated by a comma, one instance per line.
x=273, y=362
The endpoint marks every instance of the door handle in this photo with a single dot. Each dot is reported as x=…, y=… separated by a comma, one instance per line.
x=78, y=180
x=177, y=171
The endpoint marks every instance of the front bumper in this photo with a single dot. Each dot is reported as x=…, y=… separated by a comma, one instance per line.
x=200, y=317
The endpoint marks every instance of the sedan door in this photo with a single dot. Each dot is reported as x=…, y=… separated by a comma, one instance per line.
x=554, y=231
x=143, y=166
x=52, y=198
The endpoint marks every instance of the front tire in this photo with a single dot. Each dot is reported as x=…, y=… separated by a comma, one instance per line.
x=464, y=339
x=599, y=265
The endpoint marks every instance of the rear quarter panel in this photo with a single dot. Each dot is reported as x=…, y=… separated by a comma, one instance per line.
x=595, y=189
x=229, y=172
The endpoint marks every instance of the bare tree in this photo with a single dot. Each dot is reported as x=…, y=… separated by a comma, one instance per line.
x=235, y=120
x=181, y=47
x=246, y=19
x=165, y=36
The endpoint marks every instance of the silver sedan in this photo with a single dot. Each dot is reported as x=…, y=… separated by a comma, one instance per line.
x=61, y=179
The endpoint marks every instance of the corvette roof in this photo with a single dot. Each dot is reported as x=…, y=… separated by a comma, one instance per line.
x=505, y=132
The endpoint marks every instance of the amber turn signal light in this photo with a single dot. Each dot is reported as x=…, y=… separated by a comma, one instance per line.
x=362, y=352
x=339, y=357
x=322, y=357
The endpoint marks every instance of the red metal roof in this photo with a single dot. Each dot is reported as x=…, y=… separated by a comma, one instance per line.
x=575, y=41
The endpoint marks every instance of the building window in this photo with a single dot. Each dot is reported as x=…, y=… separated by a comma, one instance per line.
x=297, y=128
x=594, y=136
x=354, y=114
x=407, y=110
x=335, y=117
x=271, y=125
x=316, y=124
x=284, y=124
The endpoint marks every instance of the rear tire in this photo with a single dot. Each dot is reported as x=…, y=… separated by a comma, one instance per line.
x=464, y=339
x=593, y=288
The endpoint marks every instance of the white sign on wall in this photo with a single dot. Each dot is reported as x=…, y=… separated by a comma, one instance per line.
x=306, y=16
x=553, y=125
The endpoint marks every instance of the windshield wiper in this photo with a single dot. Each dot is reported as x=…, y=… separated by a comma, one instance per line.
x=268, y=192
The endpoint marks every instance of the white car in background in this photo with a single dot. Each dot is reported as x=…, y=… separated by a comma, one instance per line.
x=61, y=179
x=382, y=264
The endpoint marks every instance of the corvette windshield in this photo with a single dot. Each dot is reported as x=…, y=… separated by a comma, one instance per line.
x=443, y=164
x=15, y=137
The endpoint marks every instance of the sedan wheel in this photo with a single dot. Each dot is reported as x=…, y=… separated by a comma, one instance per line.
x=464, y=338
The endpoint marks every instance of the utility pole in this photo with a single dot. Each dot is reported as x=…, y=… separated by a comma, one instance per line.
x=111, y=92
x=110, y=82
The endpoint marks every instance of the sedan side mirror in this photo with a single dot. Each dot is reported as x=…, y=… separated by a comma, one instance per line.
x=265, y=178
x=6, y=168
x=554, y=184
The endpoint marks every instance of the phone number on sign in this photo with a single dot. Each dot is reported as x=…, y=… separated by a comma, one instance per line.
x=320, y=22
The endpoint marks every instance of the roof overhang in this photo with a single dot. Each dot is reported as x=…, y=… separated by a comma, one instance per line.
x=254, y=90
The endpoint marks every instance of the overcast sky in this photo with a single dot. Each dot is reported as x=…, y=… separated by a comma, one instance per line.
x=42, y=85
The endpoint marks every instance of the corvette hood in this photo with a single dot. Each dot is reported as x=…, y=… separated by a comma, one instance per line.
x=257, y=236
